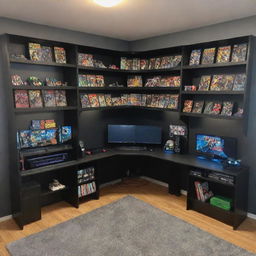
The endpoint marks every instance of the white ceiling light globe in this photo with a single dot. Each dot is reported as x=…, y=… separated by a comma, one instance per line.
x=107, y=3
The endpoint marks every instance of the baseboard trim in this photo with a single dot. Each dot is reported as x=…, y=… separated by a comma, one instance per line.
x=8, y=217
x=251, y=215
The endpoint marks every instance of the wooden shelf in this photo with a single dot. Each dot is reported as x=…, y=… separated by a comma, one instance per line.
x=215, y=65
x=28, y=87
x=53, y=64
x=52, y=109
x=213, y=92
x=212, y=116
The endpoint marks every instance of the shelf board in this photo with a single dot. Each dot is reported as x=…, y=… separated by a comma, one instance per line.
x=28, y=87
x=52, y=109
x=86, y=196
x=53, y=64
x=86, y=182
x=216, y=65
x=213, y=92
x=143, y=89
x=212, y=180
x=46, y=192
x=128, y=107
x=212, y=116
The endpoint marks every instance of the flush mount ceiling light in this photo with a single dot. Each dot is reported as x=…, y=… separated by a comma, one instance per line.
x=107, y=3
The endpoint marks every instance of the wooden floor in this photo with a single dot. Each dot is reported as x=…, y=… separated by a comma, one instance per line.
x=153, y=194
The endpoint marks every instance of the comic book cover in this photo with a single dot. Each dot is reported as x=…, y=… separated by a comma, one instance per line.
x=223, y=55
x=35, y=99
x=239, y=83
x=129, y=63
x=60, y=55
x=154, y=101
x=91, y=80
x=195, y=57
x=82, y=81
x=65, y=133
x=94, y=100
x=148, y=100
x=116, y=101
x=123, y=63
x=24, y=139
x=187, y=107
x=143, y=64
x=51, y=136
x=100, y=81
x=60, y=98
x=36, y=125
x=169, y=61
x=227, y=109
x=164, y=82
x=102, y=101
x=217, y=83
x=152, y=63
x=173, y=81
x=166, y=100
x=46, y=54
x=35, y=51
x=143, y=100
x=164, y=62
x=34, y=81
x=228, y=82
x=161, y=101
x=176, y=60
x=124, y=99
x=135, y=99
x=135, y=64
x=153, y=82
x=16, y=80
x=21, y=99
x=108, y=100
x=208, y=108
x=208, y=56
x=42, y=124
x=216, y=108
x=85, y=103
x=173, y=101
x=158, y=63
x=85, y=59
x=49, y=123
x=37, y=138
x=198, y=107
x=204, y=83
x=239, y=53
x=134, y=81
x=49, y=98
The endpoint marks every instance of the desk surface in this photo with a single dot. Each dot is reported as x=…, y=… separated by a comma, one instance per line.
x=183, y=159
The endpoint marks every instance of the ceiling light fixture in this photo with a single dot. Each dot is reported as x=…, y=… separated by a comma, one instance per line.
x=107, y=3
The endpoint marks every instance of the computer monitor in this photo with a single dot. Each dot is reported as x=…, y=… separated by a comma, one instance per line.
x=134, y=134
x=215, y=146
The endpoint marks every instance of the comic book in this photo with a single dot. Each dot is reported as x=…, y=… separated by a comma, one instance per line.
x=176, y=60
x=173, y=81
x=223, y=55
x=152, y=63
x=65, y=133
x=16, y=80
x=100, y=81
x=227, y=109
x=158, y=63
x=123, y=63
x=108, y=100
x=198, y=107
x=49, y=123
x=216, y=108
x=85, y=59
x=173, y=101
x=85, y=103
x=153, y=82
x=208, y=56
x=136, y=64
x=91, y=81
x=164, y=62
x=21, y=99
x=37, y=138
x=124, y=99
x=228, y=82
x=195, y=57
x=134, y=81
x=129, y=63
x=102, y=101
x=154, y=101
x=60, y=98
x=208, y=108
x=93, y=98
x=34, y=81
x=239, y=83
x=46, y=54
x=204, y=83
x=24, y=139
x=35, y=52
x=161, y=101
x=35, y=99
x=135, y=99
x=148, y=100
x=239, y=53
x=49, y=98
x=82, y=81
x=60, y=55
x=222, y=82
x=143, y=64
x=187, y=107
x=143, y=100
x=116, y=101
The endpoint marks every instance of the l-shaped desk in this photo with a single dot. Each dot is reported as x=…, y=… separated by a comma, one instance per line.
x=175, y=162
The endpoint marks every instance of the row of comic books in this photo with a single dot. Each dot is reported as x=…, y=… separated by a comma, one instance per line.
x=86, y=189
x=149, y=64
x=43, y=137
x=169, y=101
x=38, y=99
x=223, y=55
x=91, y=81
x=45, y=54
x=17, y=80
x=226, y=82
x=213, y=108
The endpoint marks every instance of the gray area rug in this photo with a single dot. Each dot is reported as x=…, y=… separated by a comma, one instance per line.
x=128, y=227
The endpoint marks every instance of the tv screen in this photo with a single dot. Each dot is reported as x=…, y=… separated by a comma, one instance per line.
x=134, y=134
x=214, y=146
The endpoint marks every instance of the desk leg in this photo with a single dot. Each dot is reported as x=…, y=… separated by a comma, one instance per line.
x=175, y=181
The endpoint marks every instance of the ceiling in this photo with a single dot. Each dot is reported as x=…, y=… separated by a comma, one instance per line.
x=130, y=20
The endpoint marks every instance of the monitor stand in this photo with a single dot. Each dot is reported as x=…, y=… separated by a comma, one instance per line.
x=132, y=148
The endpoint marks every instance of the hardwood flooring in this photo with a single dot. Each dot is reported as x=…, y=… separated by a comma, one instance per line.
x=151, y=193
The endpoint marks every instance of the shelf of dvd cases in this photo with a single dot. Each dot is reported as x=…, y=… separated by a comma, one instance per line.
x=45, y=109
x=215, y=65
x=212, y=116
x=53, y=64
x=213, y=92
x=28, y=87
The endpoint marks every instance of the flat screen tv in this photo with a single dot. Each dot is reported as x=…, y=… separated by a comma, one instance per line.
x=134, y=134
x=215, y=146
